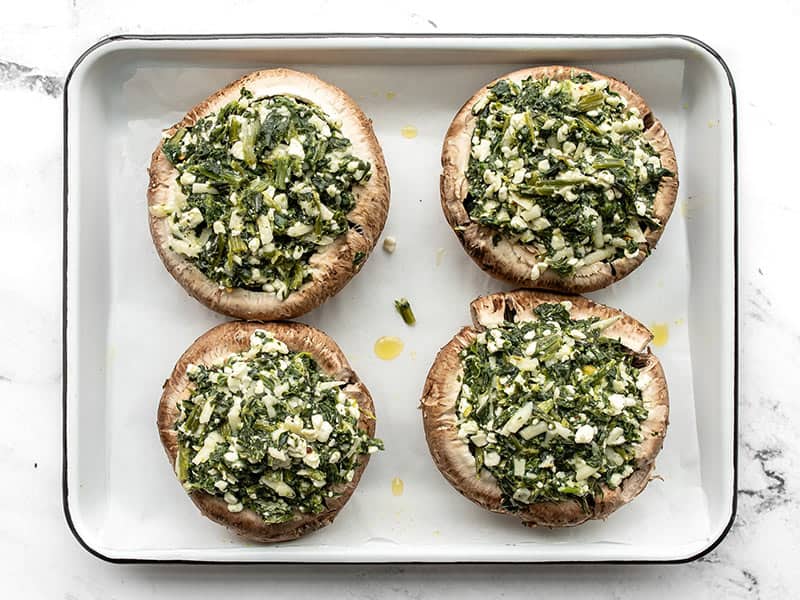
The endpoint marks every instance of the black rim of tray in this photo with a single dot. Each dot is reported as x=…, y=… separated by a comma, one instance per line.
x=256, y=36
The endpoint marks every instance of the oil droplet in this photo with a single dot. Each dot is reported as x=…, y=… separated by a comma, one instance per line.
x=439, y=256
x=391, y=95
x=409, y=132
x=397, y=486
x=684, y=208
x=660, y=334
x=685, y=106
x=388, y=347
x=437, y=533
x=413, y=355
x=678, y=322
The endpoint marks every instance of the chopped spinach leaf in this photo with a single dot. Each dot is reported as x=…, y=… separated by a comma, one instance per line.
x=268, y=430
x=563, y=166
x=262, y=185
x=550, y=407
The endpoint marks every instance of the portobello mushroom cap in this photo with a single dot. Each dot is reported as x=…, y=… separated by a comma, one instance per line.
x=334, y=265
x=452, y=455
x=212, y=348
x=513, y=262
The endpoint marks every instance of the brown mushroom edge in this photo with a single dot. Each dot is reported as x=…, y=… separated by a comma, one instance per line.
x=215, y=346
x=513, y=262
x=452, y=455
x=332, y=267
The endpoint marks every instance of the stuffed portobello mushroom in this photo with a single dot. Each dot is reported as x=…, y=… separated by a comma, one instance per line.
x=267, y=427
x=558, y=178
x=550, y=408
x=267, y=197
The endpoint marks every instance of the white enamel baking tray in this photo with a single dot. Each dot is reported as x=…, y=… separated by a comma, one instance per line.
x=126, y=321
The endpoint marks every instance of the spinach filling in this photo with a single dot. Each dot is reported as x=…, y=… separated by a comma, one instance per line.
x=269, y=431
x=563, y=166
x=262, y=185
x=550, y=407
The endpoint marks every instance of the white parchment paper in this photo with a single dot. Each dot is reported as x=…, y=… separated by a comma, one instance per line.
x=151, y=321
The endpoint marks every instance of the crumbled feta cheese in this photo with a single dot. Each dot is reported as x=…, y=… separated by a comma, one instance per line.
x=643, y=381
x=482, y=150
x=296, y=148
x=518, y=419
x=522, y=495
x=237, y=150
x=209, y=444
x=491, y=459
x=299, y=229
x=321, y=126
x=389, y=244
x=615, y=437
x=311, y=459
x=584, y=434
x=479, y=439
x=204, y=188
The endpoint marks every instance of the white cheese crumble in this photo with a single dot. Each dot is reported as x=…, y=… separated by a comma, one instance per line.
x=525, y=153
x=481, y=150
x=210, y=443
x=584, y=434
x=389, y=244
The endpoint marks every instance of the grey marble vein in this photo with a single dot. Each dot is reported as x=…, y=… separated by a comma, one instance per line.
x=736, y=581
x=775, y=492
x=748, y=582
x=419, y=17
x=760, y=305
x=15, y=75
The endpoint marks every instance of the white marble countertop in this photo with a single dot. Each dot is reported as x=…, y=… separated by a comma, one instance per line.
x=39, y=41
